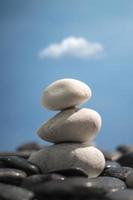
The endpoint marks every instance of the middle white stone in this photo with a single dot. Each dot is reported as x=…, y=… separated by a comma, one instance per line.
x=71, y=125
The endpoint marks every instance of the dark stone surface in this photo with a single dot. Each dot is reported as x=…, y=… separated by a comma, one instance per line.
x=23, y=154
x=126, y=194
x=1, y=164
x=110, y=164
x=13, y=176
x=108, y=183
x=126, y=160
x=30, y=146
x=117, y=172
x=87, y=187
x=34, y=181
x=125, y=148
x=111, y=155
x=19, y=163
x=71, y=172
x=129, y=180
x=68, y=184
x=69, y=188
x=10, y=192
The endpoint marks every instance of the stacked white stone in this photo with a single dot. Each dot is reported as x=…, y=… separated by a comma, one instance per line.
x=72, y=130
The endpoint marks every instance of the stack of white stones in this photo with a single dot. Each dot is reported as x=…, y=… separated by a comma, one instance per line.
x=72, y=130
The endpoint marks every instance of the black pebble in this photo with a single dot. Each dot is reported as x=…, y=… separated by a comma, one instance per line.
x=118, y=172
x=108, y=183
x=34, y=181
x=129, y=180
x=19, y=163
x=71, y=172
x=67, y=188
x=126, y=194
x=1, y=165
x=13, y=176
x=30, y=146
x=23, y=154
x=126, y=160
x=79, y=187
x=110, y=164
x=11, y=192
x=111, y=155
x=125, y=148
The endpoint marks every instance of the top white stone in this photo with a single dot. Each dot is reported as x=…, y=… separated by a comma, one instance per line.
x=65, y=93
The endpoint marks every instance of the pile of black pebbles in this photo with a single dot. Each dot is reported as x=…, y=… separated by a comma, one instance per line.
x=21, y=180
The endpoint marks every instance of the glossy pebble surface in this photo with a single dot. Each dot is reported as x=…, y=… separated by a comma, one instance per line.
x=65, y=93
x=118, y=172
x=63, y=156
x=33, y=181
x=79, y=187
x=72, y=125
x=126, y=194
x=110, y=164
x=70, y=183
x=19, y=163
x=14, y=176
x=11, y=192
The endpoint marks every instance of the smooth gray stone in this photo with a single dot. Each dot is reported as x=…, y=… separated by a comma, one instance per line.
x=11, y=192
x=65, y=93
x=109, y=183
x=19, y=163
x=118, y=172
x=34, y=181
x=126, y=194
x=64, y=156
x=129, y=180
x=89, y=187
x=13, y=176
x=71, y=125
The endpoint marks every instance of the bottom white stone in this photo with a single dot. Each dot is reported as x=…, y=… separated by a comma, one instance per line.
x=63, y=156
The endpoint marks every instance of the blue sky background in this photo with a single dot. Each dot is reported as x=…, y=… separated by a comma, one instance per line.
x=27, y=26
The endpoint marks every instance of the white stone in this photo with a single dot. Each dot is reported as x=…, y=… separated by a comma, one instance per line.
x=63, y=156
x=65, y=93
x=71, y=125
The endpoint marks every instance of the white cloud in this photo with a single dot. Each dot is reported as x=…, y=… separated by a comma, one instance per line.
x=74, y=47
